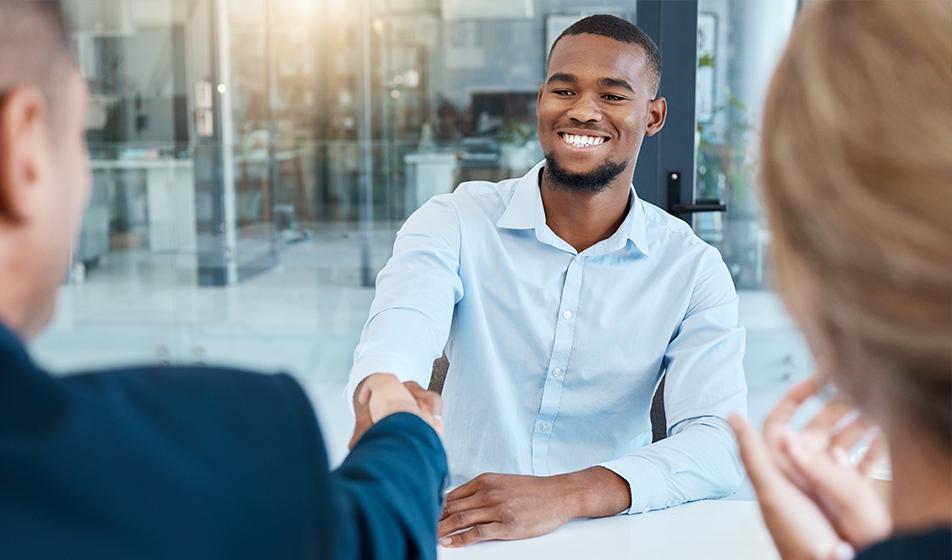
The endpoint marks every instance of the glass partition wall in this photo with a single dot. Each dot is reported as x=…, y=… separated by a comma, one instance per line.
x=253, y=160
x=739, y=42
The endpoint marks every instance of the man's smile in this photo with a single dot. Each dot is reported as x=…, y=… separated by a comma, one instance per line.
x=583, y=140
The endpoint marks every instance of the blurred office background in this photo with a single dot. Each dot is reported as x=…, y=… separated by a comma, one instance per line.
x=253, y=160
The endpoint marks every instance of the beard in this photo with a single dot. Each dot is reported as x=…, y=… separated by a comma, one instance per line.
x=593, y=181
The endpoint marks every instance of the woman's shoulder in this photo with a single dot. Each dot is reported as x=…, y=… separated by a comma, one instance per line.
x=927, y=545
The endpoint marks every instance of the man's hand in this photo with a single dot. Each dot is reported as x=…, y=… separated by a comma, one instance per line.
x=509, y=507
x=815, y=503
x=382, y=394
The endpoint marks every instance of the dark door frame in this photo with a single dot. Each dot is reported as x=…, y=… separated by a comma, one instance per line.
x=670, y=155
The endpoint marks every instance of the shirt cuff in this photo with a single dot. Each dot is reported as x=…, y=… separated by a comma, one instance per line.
x=648, y=485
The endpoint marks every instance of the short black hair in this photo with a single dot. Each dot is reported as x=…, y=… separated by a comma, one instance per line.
x=35, y=47
x=618, y=29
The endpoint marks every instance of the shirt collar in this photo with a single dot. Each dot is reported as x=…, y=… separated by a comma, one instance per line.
x=525, y=211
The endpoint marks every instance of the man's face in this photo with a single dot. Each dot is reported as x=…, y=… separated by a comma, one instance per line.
x=596, y=107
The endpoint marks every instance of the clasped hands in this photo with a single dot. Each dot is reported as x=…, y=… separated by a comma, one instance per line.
x=382, y=394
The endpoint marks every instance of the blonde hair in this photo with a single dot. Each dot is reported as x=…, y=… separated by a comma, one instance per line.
x=857, y=183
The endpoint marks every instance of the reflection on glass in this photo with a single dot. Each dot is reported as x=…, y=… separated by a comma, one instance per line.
x=738, y=43
x=341, y=117
x=133, y=61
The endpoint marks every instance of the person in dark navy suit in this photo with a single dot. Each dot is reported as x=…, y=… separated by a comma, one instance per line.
x=167, y=462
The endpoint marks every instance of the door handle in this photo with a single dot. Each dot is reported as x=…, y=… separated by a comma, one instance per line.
x=675, y=207
x=700, y=205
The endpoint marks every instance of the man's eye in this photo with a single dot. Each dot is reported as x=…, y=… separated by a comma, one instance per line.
x=563, y=92
x=611, y=97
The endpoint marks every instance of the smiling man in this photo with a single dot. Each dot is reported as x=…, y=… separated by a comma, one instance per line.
x=561, y=299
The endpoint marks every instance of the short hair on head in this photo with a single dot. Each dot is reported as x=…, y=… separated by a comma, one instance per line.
x=621, y=30
x=34, y=47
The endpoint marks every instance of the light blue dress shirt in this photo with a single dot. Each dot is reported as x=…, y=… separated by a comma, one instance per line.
x=554, y=354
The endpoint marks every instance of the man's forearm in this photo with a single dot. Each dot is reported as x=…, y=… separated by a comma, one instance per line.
x=512, y=506
x=596, y=492
x=668, y=472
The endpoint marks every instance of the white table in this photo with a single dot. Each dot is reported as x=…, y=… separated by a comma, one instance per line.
x=712, y=530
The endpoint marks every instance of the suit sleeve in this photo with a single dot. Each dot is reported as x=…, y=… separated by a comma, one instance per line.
x=384, y=501
x=389, y=491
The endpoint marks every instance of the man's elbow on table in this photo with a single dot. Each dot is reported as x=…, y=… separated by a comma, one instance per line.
x=726, y=470
x=706, y=443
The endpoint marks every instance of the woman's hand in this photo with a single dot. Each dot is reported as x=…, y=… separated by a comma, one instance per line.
x=815, y=502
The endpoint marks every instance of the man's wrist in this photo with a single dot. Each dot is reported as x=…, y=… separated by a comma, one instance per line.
x=594, y=492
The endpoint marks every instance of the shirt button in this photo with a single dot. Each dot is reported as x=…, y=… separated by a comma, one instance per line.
x=543, y=427
x=567, y=315
x=557, y=373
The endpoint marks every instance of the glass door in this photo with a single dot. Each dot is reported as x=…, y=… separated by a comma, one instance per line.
x=738, y=44
x=137, y=247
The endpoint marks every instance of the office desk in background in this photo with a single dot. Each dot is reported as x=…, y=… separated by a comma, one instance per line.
x=709, y=530
x=170, y=192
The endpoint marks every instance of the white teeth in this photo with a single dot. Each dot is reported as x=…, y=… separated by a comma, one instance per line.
x=580, y=141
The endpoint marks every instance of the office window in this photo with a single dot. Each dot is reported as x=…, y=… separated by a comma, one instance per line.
x=253, y=160
x=739, y=42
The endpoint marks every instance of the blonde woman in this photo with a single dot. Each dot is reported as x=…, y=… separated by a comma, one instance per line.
x=857, y=177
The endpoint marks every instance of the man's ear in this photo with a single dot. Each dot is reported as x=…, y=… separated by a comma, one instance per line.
x=657, y=114
x=23, y=150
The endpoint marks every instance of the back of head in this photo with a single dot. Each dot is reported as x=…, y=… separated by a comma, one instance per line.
x=44, y=180
x=620, y=30
x=857, y=177
x=34, y=46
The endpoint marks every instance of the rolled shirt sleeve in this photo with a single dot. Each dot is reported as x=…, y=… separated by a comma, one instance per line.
x=704, y=383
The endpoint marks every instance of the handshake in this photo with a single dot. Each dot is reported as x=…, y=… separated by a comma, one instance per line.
x=382, y=394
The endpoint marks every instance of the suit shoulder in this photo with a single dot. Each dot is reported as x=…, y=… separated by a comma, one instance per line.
x=207, y=395
x=187, y=380
x=205, y=449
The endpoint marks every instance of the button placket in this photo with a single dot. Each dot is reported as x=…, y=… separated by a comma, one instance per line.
x=558, y=362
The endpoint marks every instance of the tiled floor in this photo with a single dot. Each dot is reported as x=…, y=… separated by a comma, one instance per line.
x=303, y=317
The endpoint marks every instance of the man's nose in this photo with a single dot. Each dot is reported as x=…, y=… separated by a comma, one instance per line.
x=585, y=109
